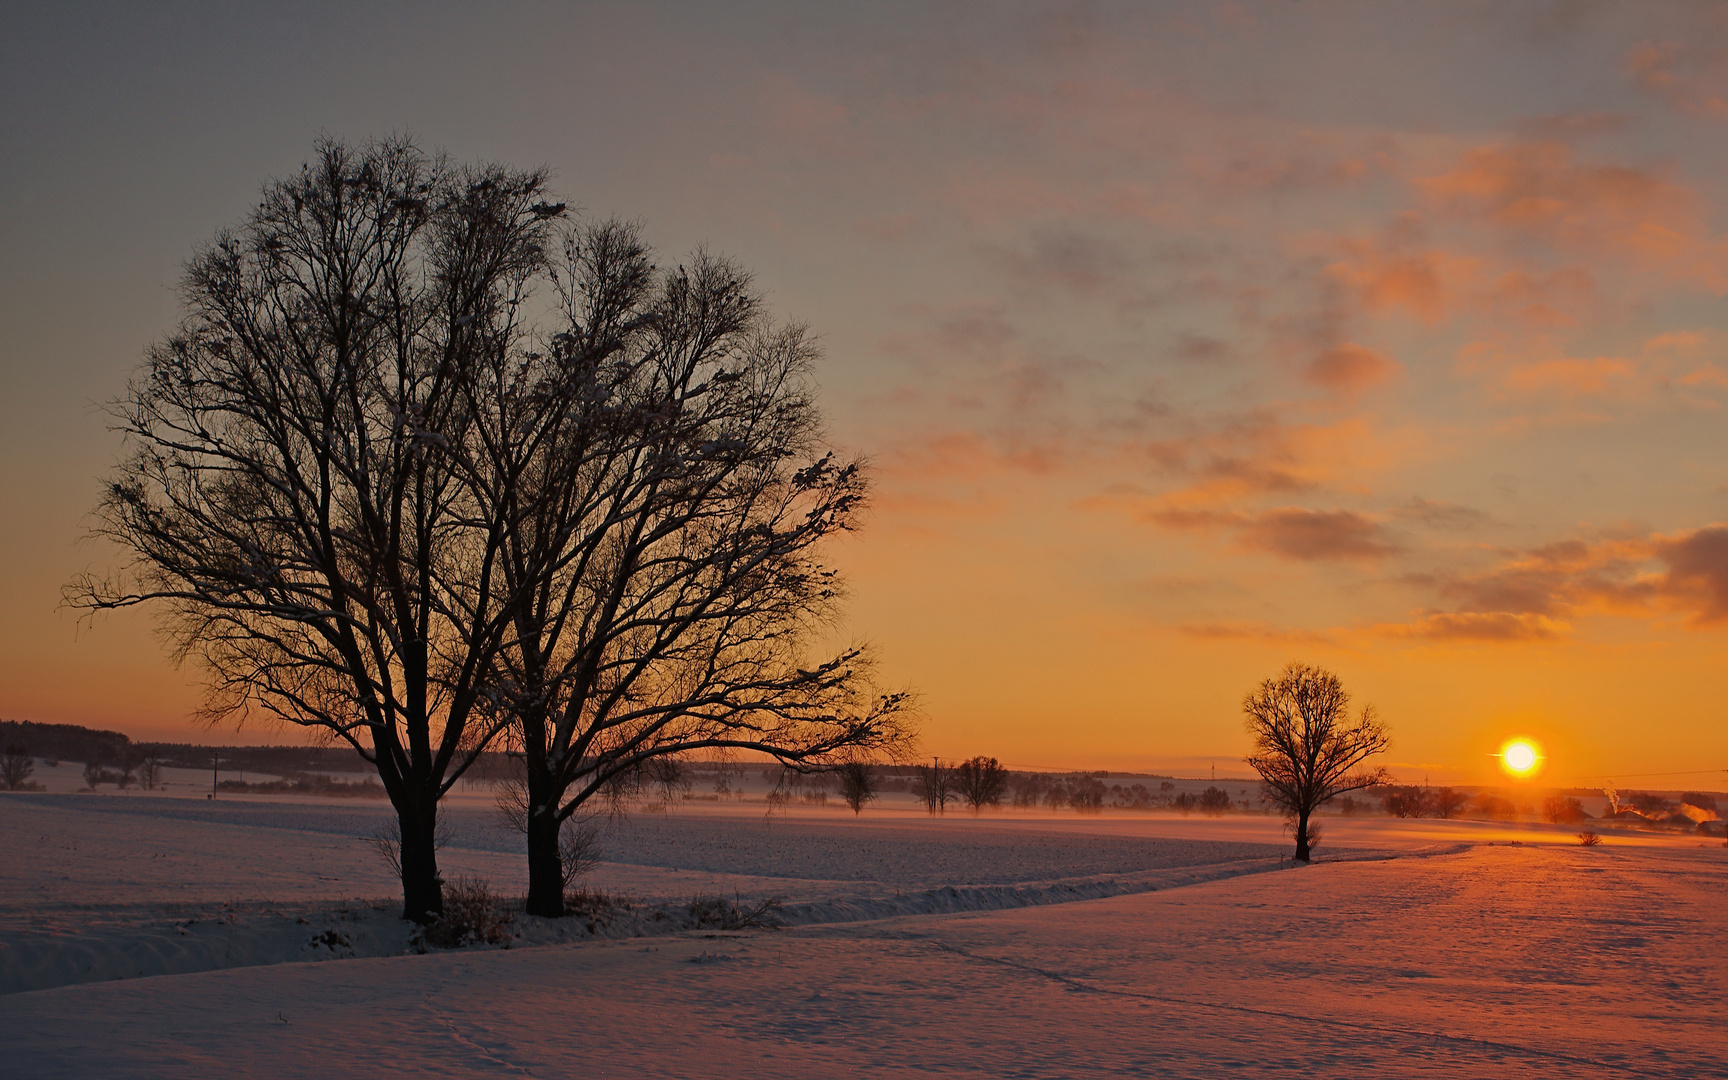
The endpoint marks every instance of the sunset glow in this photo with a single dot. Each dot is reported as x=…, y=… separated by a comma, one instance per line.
x=1183, y=340
x=1521, y=758
x=776, y=539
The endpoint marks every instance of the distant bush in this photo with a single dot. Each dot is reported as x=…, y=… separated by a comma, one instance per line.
x=1588, y=838
x=1651, y=806
x=1563, y=810
x=1493, y=806
x=471, y=916
x=1349, y=807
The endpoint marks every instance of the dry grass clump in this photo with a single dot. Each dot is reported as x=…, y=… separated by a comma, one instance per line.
x=1588, y=838
x=472, y=915
x=719, y=913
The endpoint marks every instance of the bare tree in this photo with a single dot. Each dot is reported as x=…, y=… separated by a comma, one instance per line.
x=1405, y=801
x=858, y=784
x=150, y=772
x=15, y=768
x=1306, y=746
x=1214, y=801
x=982, y=782
x=936, y=786
x=300, y=492
x=660, y=464
x=1447, y=802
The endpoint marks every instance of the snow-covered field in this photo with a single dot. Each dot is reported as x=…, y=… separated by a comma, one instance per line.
x=145, y=934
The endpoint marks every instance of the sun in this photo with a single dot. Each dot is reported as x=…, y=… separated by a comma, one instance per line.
x=1521, y=757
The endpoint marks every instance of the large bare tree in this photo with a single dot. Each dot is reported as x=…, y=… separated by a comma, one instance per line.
x=300, y=489
x=1306, y=746
x=662, y=466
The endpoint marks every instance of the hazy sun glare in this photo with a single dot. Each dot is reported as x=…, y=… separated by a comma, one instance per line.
x=1521, y=758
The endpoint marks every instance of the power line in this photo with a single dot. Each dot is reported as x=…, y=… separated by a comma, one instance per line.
x=1638, y=775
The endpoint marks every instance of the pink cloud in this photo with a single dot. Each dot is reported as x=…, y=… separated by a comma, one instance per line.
x=1698, y=570
x=1683, y=573
x=1594, y=377
x=1478, y=626
x=1317, y=535
x=1349, y=368
x=1291, y=532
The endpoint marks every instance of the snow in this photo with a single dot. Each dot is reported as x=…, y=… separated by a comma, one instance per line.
x=200, y=934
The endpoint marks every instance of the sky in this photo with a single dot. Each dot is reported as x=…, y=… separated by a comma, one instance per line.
x=1184, y=340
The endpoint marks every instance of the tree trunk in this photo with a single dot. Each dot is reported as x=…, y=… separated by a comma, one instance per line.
x=1302, y=836
x=422, y=890
x=545, y=864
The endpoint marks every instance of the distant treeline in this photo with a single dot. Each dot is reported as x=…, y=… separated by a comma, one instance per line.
x=67, y=742
x=71, y=742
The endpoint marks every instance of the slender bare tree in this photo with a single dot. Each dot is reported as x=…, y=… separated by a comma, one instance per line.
x=668, y=494
x=1306, y=745
x=936, y=785
x=300, y=492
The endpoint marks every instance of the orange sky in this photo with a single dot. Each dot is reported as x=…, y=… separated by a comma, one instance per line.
x=1184, y=342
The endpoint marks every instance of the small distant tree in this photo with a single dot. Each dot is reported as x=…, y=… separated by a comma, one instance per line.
x=982, y=782
x=1563, y=810
x=150, y=772
x=15, y=768
x=1086, y=793
x=93, y=773
x=1214, y=801
x=1307, y=750
x=858, y=784
x=1405, y=801
x=129, y=769
x=1446, y=802
x=936, y=786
